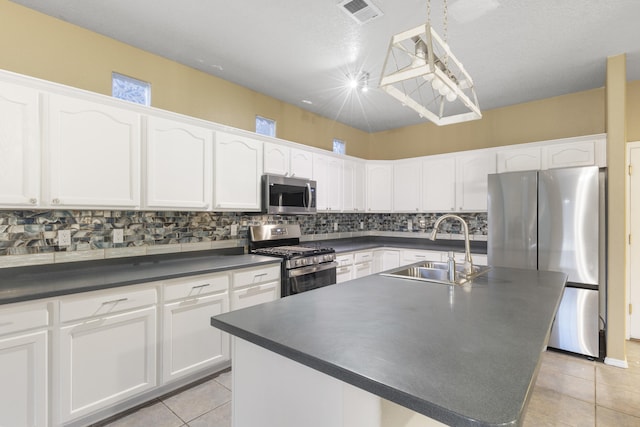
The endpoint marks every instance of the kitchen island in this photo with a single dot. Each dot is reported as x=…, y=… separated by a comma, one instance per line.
x=353, y=353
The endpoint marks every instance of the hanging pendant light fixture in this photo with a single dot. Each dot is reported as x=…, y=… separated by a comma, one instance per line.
x=421, y=72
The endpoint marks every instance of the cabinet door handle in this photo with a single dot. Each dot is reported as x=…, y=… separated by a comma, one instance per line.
x=33, y=200
x=201, y=286
x=115, y=301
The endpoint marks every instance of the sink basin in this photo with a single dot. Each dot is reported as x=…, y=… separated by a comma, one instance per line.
x=438, y=272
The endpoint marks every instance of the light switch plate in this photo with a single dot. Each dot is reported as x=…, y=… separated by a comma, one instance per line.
x=234, y=229
x=118, y=235
x=335, y=226
x=64, y=237
x=409, y=225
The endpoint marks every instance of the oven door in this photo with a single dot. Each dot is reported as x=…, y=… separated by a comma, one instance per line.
x=303, y=279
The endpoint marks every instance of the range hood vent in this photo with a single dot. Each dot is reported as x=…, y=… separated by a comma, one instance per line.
x=362, y=11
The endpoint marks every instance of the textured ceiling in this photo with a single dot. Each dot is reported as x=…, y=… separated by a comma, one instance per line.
x=293, y=50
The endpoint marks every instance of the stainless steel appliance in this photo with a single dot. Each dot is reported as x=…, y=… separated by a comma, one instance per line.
x=555, y=220
x=286, y=195
x=304, y=267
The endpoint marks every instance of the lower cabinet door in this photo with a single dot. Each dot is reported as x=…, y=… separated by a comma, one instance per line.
x=23, y=380
x=106, y=360
x=189, y=341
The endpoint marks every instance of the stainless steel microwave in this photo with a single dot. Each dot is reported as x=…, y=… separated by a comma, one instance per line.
x=288, y=196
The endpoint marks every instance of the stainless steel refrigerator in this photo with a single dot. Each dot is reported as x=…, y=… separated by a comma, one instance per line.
x=555, y=220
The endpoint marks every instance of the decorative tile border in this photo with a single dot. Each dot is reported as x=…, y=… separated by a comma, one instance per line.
x=30, y=237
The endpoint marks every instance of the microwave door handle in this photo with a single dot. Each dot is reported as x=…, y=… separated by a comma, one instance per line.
x=308, y=197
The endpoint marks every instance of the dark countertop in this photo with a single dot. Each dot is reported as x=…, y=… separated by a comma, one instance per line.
x=370, y=242
x=46, y=281
x=466, y=356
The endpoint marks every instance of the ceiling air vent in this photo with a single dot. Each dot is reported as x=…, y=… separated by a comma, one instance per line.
x=360, y=10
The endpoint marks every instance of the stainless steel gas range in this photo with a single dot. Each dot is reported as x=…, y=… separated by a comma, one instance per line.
x=304, y=267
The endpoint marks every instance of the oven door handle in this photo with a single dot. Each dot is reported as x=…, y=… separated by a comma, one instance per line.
x=296, y=272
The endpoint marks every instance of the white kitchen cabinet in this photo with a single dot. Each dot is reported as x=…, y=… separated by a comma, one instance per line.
x=379, y=186
x=407, y=185
x=471, y=180
x=276, y=159
x=92, y=154
x=353, y=189
x=20, y=147
x=327, y=172
x=362, y=264
x=237, y=173
x=178, y=165
x=301, y=163
x=282, y=160
x=570, y=154
x=189, y=342
x=107, y=350
x=344, y=270
x=439, y=183
x=410, y=256
x=252, y=286
x=385, y=259
x=519, y=159
x=24, y=365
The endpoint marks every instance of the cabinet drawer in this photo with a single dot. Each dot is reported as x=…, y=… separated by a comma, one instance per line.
x=344, y=259
x=192, y=287
x=415, y=256
x=363, y=257
x=95, y=304
x=242, y=298
x=23, y=317
x=255, y=275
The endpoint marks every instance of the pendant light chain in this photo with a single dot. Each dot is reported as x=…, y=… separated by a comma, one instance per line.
x=446, y=27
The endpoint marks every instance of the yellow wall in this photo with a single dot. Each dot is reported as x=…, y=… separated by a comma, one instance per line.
x=633, y=111
x=616, y=211
x=37, y=45
x=565, y=116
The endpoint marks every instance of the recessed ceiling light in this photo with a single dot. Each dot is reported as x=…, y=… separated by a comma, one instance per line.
x=306, y=101
x=217, y=67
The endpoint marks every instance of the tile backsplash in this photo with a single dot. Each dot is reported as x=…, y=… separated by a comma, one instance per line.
x=35, y=232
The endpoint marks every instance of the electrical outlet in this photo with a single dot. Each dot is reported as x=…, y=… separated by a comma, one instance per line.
x=335, y=226
x=64, y=237
x=118, y=235
x=409, y=225
x=234, y=229
x=361, y=225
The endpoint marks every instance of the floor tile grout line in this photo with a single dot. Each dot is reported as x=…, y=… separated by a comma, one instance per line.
x=173, y=412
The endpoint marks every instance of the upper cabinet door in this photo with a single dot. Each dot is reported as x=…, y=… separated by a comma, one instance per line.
x=439, y=184
x=301, y=163
x=519, y=159
x=569, y=154
x=237, y=173
x=178, y=165
x=471, y=184
x=93, y=154
x=379, y=186
x=19, y=147
x=407, y=183
x=327, y=172
x=276, y=159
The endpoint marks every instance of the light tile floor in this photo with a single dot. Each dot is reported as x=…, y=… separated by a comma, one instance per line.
x=569, y=391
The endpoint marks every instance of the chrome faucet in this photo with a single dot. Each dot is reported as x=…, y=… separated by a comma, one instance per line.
x=468, y=264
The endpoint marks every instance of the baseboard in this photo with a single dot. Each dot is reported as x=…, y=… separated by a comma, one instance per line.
x=616, y=362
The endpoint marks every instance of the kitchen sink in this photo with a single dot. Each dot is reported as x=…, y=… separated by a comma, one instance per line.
x=438, y=272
